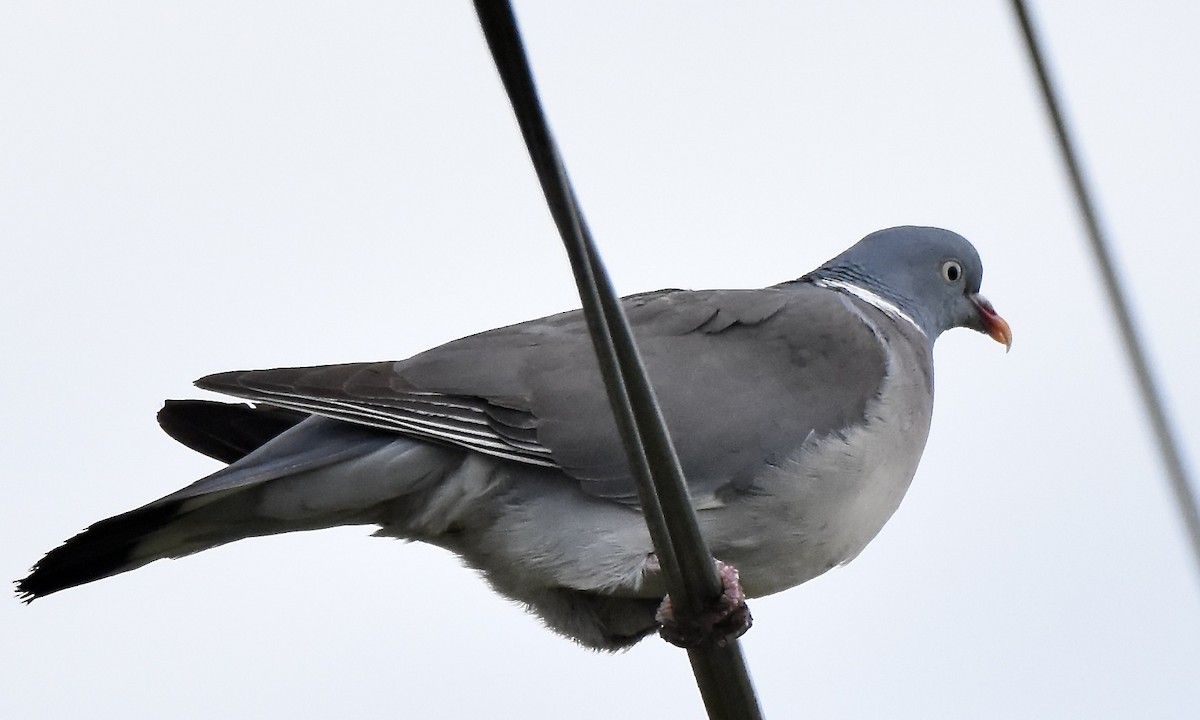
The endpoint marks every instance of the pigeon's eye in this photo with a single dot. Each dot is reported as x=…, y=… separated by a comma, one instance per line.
x=952, y=271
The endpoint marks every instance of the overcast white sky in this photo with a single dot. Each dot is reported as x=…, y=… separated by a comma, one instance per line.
x=187, y=188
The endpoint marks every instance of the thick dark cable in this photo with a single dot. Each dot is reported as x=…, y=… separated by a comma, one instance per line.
x=687, y=564
x=1172, y=458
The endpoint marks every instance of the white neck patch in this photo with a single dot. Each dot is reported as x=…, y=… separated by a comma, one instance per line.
x=870, y=298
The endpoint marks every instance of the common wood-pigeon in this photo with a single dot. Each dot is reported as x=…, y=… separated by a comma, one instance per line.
x=799, y=412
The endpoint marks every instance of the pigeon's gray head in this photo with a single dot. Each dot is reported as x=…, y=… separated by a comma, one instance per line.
x=930, y=274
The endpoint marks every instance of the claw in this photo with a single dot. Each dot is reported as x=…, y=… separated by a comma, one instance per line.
x=726, y=618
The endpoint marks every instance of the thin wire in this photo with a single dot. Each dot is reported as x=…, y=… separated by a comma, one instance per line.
x=1172, y=458
x=690, y=576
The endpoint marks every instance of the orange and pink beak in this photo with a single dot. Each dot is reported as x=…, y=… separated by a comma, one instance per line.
x=993, y=324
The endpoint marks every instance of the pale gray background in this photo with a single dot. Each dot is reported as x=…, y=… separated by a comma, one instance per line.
x=194, y=187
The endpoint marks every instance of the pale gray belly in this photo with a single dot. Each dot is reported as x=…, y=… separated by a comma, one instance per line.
x=821, y=506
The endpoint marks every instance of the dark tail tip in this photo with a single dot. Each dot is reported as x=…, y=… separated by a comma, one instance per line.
x=224, y=431
x=104, y=549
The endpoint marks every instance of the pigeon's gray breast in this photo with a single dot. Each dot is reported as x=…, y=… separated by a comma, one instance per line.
x=819, y=506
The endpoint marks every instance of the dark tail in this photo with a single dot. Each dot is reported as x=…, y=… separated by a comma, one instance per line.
x=266, y=445
x=104, y=549
x=225, y=431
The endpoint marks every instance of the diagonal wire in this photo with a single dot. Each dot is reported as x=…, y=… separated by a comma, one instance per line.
x=687, y=564
x=1168, y=447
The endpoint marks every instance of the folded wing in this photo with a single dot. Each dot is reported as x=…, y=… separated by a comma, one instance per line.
x=741, y=376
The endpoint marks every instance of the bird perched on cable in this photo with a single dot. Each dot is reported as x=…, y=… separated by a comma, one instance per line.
x=799, y=413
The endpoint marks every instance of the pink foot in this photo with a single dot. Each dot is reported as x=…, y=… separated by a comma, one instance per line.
x=728, y=617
